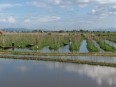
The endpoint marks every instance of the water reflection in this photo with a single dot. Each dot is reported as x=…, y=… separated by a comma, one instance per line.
x=54, y=74
x=22, y=50
x=22, y=68
x=83, y=47
x=98, y=73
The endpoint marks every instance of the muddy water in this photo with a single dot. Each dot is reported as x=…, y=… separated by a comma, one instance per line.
x=22, y=73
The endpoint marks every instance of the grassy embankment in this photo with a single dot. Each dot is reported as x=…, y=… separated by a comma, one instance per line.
x=76, y=43
x=90, y=45
x=60, y=60
x=58, y=41
x=104, y=45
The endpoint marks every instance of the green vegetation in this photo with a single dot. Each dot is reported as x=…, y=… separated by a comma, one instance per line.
x=59, y=60
x=91, y=47
x=56, y=46
x=76, y=43
x=104, y=45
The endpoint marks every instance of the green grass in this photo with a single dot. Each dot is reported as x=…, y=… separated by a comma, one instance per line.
x=60, y=60
x=91, y=47
x=75, y=46
x=56, y=46
x=104, y=45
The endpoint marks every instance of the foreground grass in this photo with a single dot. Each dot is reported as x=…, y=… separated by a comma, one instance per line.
x=59, y=60
x=57, y=54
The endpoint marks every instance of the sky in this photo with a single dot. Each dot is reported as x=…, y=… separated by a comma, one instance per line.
x=58, y=14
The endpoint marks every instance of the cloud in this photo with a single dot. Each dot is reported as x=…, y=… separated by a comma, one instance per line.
x=8, y=5
x=57, y=1
x=22, y=68
x=103, y=11
x=11, y=19
x=27, y=21
x=104, y=1
x=3, y=20
x=47, y=19
x=100, y=74
x=39, y=4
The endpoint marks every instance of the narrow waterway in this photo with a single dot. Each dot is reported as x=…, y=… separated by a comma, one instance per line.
x=64, y=49
x=83, y=47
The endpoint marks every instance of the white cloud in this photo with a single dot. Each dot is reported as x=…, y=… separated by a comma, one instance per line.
x=5, y=5
x=114, y=7
x=39, y=4
x=8, y=5
x=47, y=19
x=3, y=20
x=100, y=74
x=27, y=21
x=62, y=3
x=11, y=19
x=85, y=1
x=105, y=1
x=112, y=13
x=57, y=1
x=82, y=5
x=22, y=68
x=93, y=11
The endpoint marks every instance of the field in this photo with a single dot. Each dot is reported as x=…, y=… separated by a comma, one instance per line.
x=60, y=47
x=37, y=41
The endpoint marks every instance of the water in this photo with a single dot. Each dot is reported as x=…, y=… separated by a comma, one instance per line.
x=111, y=43
x=65, y=49
x=45, y=49
x=86, y=58
x=22, y=73
x=83, y=47
x=97, y=45
x=22, y=50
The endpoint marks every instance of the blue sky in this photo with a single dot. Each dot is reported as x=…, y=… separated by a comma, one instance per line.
x=63, y=14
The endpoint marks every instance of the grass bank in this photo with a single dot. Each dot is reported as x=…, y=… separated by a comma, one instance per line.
x=104, y=45
x=91, y=47
x=60, y=60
